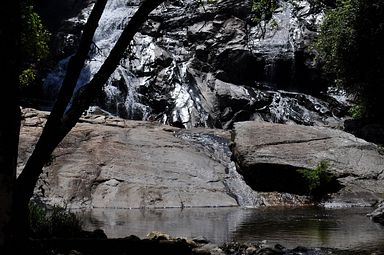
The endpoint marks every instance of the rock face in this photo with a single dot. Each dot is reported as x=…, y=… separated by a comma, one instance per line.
x=115, y=163
x=269, y=155
x=108, y=162
x=208, y=64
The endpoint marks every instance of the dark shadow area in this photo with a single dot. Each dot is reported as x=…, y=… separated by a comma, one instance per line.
x=285, y=178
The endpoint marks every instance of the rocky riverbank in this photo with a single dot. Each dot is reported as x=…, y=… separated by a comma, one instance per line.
x=163, y=244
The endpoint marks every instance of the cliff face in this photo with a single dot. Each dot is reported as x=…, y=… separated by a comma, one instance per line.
x=208, y=64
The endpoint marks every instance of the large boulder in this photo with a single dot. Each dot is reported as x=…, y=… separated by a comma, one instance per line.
x=378, y=214
x=269, y=156
x=114, y=163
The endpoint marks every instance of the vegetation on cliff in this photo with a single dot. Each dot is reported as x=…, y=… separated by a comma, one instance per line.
x=351, y=45
x=34, y=43
x=262, y=10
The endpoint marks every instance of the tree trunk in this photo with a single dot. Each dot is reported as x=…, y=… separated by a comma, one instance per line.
x=10, y=115
x=89, y=92
x=9, y=139
x=59, y=124
x=49, y=138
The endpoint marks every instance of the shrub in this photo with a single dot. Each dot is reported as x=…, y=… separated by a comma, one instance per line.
x=34, y=43
x=319, y=181
x=53, y=222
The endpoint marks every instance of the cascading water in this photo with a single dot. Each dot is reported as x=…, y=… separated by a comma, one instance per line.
x=121, y=94
x=174, y=68
x=217, y=147
x=115, y=17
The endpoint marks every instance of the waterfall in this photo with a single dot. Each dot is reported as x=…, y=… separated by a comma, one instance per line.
x=174, y=66
x=218, y=149
x=120, y=91
x=121, y=94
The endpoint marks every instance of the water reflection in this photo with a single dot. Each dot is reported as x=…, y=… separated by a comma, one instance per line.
x=311, y=227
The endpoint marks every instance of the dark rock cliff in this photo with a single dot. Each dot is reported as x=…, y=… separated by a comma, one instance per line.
x=209, y=64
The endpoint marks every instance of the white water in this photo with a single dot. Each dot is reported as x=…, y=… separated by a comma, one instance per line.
x=142, y=52
x=115, y=17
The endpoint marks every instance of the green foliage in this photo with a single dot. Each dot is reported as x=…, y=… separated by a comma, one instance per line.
x=357, y=111
x=37, y=219
x=27, y=76
x=54, y=222
x=319, y=180
x=34, y=37
x=34, y=43
x=262, y=10
x=317, y=4
x=351, y=46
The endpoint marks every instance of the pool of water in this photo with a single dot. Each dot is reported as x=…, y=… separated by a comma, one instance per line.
x=347, y=228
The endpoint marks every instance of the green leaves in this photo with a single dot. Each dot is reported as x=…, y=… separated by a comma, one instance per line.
x=27, y=76
x=351, y=47
x=54, y=222
x=319, y=180
x=262, y=10
x=34, y=44
x=34, y=37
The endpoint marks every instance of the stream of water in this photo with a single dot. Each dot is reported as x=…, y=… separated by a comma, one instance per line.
x=347, y=229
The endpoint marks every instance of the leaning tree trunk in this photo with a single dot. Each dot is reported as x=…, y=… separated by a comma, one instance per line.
x=10, y=115
x=84, y=97
x=49, y=138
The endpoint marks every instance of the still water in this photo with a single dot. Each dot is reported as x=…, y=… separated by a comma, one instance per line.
x=311, y=227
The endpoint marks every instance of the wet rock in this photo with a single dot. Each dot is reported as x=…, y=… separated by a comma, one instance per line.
x=251, y=250
x=207, y=249
x=265, y=150
x=158, y=236
x=378, y=214
x=73, y=252
x=200, y=240
x=300, y=249
x=171, y=79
